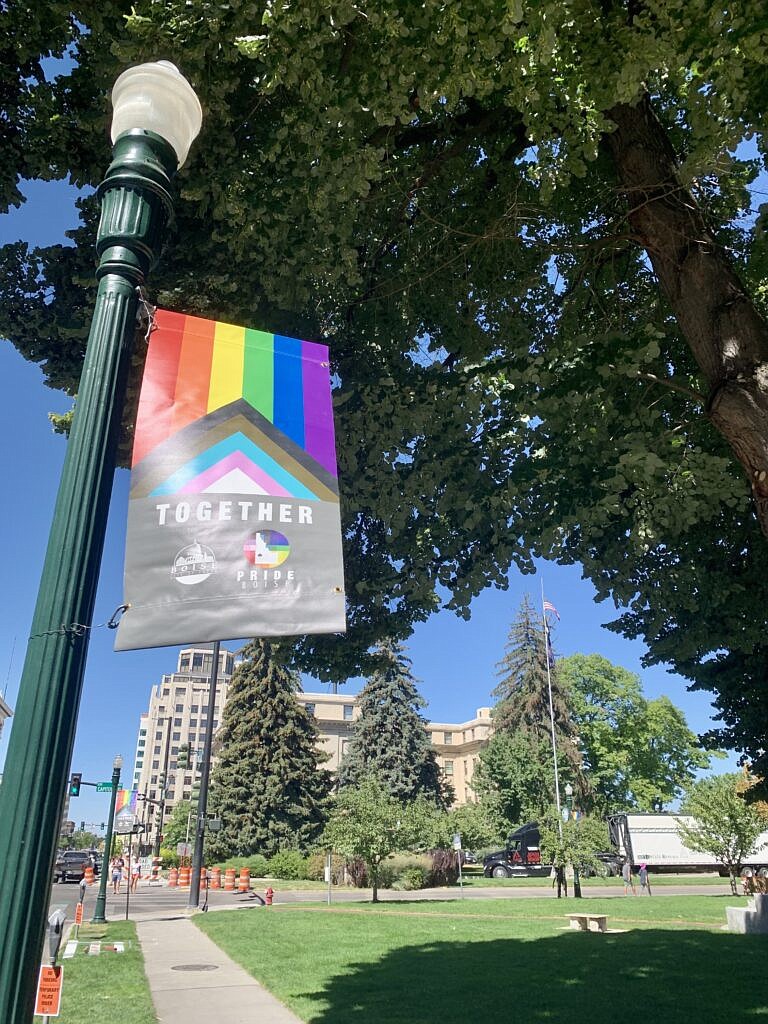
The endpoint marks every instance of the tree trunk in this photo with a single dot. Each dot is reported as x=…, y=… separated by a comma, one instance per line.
x=375, y=883
x=722, y=326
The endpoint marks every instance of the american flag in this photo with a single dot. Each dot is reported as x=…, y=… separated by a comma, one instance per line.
x=549, y=607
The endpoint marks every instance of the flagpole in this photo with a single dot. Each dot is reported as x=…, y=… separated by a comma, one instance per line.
x=551, y=712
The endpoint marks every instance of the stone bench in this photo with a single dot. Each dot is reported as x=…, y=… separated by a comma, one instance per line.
x=588, y=922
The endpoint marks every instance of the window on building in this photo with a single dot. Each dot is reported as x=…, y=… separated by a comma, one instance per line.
x=155, y=764
x=159, y=734
x=348, y=710
x=187, y=780
x=176, y=722
x=176, y=736
x=193, y=723
x=139, y=764
x=195, y=708
x=142, y=732
x=166, y=693
x=174, y=750
x=215, y=723
x=156, y=750
x=170, y=795
x=197, y=661
x=310, y=708
x=448, y=767
x=179, y=707
x=153, y=780
x=142, y=743
x=447, y=738
x=152, y=794
x=184, y=663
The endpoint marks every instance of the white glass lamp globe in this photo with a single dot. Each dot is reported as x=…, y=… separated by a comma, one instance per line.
x=118, y=762
x=157, y=98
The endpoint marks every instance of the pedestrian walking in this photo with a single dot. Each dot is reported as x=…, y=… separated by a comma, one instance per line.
x=645, y=885
x=116, y=867
x=626, y=874
x=135, y=875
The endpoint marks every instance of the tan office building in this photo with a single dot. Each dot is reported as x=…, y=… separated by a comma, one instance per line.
x=457, y=745
x=178, y=714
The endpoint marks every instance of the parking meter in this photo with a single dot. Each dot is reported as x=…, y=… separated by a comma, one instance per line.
x=55, y=933
x=83, y=887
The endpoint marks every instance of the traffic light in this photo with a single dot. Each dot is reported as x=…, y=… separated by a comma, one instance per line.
x=182, y=758
x=194, y=796
x=82, y=826
x=74, y=783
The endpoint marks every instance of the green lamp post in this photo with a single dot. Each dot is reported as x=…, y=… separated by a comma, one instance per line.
x=156, y=118
x=99, y=913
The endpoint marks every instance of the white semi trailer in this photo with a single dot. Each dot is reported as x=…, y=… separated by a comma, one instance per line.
x=654, y=839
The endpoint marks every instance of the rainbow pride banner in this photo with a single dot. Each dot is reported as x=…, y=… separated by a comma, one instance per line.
x=233, y=517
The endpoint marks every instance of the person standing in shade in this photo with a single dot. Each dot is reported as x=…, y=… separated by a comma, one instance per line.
x=117, y=874
x=626, y=874
x=645, y=885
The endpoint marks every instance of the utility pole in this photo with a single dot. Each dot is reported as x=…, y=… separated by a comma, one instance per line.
x=159, y=820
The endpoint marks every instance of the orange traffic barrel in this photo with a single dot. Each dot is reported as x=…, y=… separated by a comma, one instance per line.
x=90, y=877
x=244, y=884
x=173, y=878
x=229, y=880
x=185, y=877
x=203, y=874
x=215, y=878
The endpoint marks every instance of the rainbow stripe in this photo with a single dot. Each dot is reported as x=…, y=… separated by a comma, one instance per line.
x=196, y=367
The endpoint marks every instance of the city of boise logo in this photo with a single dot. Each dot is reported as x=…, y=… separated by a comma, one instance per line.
x=266, y=549
x=193, y=564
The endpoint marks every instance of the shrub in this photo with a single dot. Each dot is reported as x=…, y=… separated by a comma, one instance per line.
x=410, y=879
x=444, y=869
x=169, y=857
x=258, y=864
x=288, y=865
x=315, y=869
x=357, y=870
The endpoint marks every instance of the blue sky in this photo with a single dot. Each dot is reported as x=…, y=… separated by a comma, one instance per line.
x=453, y=659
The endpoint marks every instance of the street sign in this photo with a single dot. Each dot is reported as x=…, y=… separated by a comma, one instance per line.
x=48, y=1002
x=184, y=849
x=457, y=841
x=79, y=913
x=103, y=787
x=124, y=822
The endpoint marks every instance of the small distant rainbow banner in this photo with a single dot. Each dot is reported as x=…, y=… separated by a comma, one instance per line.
x=233, y=522
x=126, y=800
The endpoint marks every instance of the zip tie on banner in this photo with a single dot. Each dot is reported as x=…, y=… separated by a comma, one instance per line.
x=78, y=629
x=145, y=314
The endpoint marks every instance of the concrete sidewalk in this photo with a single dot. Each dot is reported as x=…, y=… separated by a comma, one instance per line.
x=193, y=982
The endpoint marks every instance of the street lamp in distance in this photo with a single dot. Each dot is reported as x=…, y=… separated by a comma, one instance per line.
x=157, y=116
x=99, y=913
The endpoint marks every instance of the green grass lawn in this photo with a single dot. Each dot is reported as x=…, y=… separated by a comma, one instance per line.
x=110, y=988
x=498, y=961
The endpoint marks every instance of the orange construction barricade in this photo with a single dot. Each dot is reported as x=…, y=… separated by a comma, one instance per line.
x=173, y=878
x=215, y=878
x=185, y=876
x=244, y=884
x=89, y=876
x=229, y=880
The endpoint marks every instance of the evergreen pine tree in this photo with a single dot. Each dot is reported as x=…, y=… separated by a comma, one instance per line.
x=267, y=785
x=390, y=740
x=523, y=695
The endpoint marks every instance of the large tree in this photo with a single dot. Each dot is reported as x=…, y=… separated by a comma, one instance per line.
x=530, y=698
x=389, y=740
x=267, y=785
x=525, y=230
x=636, y=751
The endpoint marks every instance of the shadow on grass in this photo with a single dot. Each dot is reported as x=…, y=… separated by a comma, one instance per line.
x=637, y=977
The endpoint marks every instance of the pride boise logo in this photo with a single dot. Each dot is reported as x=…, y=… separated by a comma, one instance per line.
x=267, y=549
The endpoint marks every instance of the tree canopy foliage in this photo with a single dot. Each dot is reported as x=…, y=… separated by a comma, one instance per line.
x=267, y=784
x=636, y=751
x=724, y=825
x=525, y=229
x=390, y=740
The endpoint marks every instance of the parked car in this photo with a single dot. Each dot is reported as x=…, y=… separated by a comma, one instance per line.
x=467, y=857
x=71, y=865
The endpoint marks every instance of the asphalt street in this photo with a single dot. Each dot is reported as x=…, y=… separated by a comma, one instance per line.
x=152, y=899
